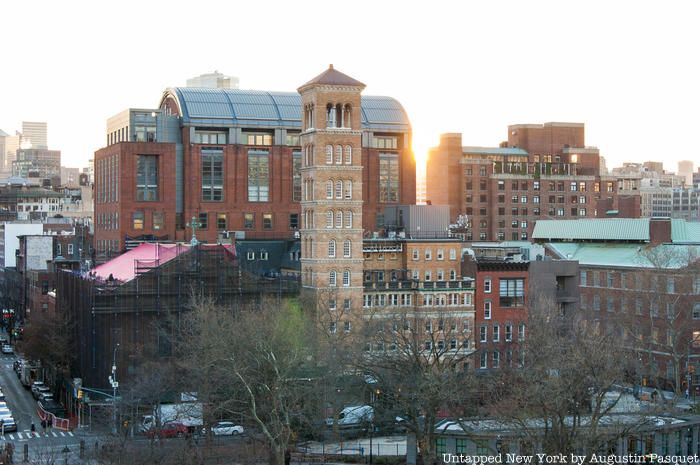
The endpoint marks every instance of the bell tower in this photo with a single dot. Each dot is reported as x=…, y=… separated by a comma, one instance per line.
x=331, y=206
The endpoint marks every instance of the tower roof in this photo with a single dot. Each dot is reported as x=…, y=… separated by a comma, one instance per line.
x=333, y=77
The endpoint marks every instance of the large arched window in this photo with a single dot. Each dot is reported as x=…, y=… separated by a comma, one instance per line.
x=348, y=155
x=338, y=154
x=348, y=219
x=338, y=219
x=339, y=189
x=331, y=248
x=332, y=278
x=347, y=248
x=329, y=189
x=329, y=154
x=346, y=278
x=329, y=219
x=348, y=189
x=330, y=116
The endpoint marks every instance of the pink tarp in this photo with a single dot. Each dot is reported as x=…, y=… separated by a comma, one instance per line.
x=123, y=267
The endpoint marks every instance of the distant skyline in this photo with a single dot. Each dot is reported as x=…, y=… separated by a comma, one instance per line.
x=626, y=69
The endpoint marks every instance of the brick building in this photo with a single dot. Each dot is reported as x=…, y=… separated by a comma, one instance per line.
x=542, y=171
x=232, y=160
x=640, y=279
x=507, y=277
x=420, y=281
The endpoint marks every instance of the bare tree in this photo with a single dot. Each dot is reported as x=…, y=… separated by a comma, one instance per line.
x=567, y=380
x=256, y=359
x=417, y=363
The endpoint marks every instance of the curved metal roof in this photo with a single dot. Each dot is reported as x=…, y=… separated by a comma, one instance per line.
x=237, y=107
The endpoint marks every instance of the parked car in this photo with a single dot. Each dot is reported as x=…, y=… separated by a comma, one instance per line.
x=36, y=385
x=8, y=423
x=169, y=430
x=45, y=396
x=226, y=428
x=39, y=390
x=7, y=349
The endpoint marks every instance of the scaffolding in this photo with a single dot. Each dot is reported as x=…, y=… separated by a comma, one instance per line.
x=143, y=315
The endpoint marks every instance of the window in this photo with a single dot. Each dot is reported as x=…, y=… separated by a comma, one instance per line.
x=346, y=278
x=483, y=333
x=332, y=327
x=157, y=225
x=453, y=254
x=339, y=189
x=441, y=445
x=596, y=302
x=584, y=275
x=440, y=275
x=329, y=219
x=348, y=155
x=332, y=278
x=487, y=309
x=137, y=219
x=536, y=185
x=259, y=139
x=509, y=332
x=487, y=286
x=428, y=275
x=258, y=175
x=331, y=304
x=453, y=275
x=147, y=178
x=348, y=219
x=267, y=221
x=329, y=189
x=347, y=245
x=338, y=219
x=348, y=190
x=58, y=249
x=521, y=331
x=264, y=255
x=483, y=360
x=329, y=154
x=250, y=255
x=512, y=292
x=670, y=285
x=440, y=254
x=249, y=220
x=388, y=177
x=611, y=280
x=496, y=359
x=331, y=248
x=428, y=254
x=70, y=249
x=415, y=254
x=347, y=326
x=212, y=175
x=294, y=221
x=696, y=311
x=203, y=220
x=496, y=333
x=296, y=175
x=338, y=154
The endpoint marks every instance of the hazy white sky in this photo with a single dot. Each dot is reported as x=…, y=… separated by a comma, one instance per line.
x=629, y=70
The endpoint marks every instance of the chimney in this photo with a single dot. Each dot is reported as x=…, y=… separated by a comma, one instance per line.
x=660, y=230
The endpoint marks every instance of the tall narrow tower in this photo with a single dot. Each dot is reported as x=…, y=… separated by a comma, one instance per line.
x=331, y=228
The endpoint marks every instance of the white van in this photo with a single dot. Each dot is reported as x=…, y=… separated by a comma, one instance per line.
x=353, y=416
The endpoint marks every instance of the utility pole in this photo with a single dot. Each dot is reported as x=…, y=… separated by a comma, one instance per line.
x=115, y=384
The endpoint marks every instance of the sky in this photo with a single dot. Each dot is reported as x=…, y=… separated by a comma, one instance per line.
x=629, y=70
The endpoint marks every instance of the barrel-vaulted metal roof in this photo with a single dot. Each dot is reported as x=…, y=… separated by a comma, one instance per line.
x=255, y=108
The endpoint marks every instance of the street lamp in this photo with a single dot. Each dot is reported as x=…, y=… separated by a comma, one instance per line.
x=115, y=384
x=374, y=397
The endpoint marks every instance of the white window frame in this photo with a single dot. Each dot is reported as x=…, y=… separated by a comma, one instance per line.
x=487, y=309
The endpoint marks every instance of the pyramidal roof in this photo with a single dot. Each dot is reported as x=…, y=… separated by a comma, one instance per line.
x=333, y=77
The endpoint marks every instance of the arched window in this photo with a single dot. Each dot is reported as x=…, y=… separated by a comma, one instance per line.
x=339, y=115
x=331, y=279
x=329, y=189
x=338, y=154
x=348, y=155
x=330, y=116
x=348, y=189
x=347, y=116
x=331, y=248
x=329, y=154
x=346, y=278
x=329, y=219
x=348, y=219
x=347, y=248
x=339, y=219
x=339, y=189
